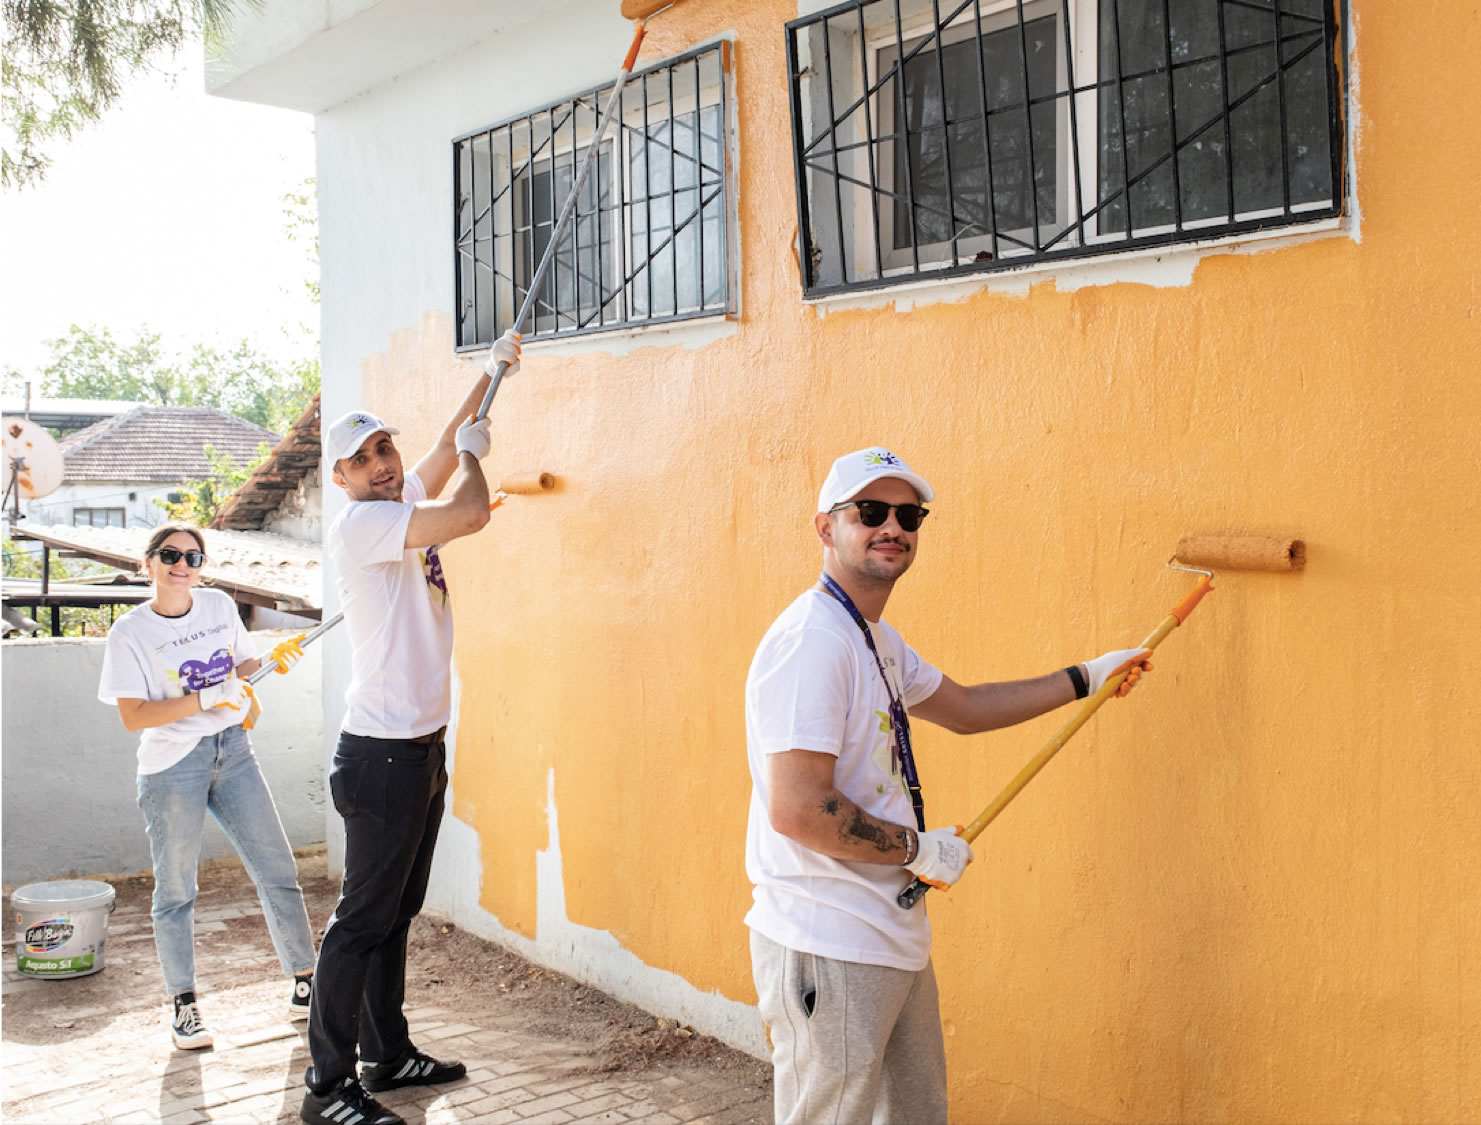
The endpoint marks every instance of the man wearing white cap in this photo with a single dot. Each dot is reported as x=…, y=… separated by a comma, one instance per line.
x=389, y=777
x=836, y=828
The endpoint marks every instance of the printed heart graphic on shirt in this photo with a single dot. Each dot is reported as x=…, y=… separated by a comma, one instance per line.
x=195, y=674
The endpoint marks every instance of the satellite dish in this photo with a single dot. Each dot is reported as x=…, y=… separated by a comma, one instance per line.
x=33, y=461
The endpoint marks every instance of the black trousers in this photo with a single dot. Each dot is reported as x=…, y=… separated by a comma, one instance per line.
x=390, y=794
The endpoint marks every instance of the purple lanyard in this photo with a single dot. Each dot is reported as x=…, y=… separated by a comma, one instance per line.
x=899, y=718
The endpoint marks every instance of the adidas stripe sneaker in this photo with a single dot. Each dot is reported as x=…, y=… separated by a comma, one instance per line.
x=415, y=1068
x=188, y=1030
x=302, y=999
x=346, y=1104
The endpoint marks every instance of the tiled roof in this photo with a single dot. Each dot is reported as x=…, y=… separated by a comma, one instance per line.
x=159, y=443
x=253, y=566
x=296, y=456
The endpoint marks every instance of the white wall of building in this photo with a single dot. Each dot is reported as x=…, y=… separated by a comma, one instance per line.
x=69, y=785
x=301, y=513
x=385, y=209
x=136, y=498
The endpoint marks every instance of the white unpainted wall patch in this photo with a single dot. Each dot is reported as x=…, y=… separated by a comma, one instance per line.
x=591, y=956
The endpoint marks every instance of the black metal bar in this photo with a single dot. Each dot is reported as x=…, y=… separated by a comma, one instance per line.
x=673, y=190
x=992, y=198
x=554, y=279
x=902, y=135
x=699, y=175
x=493, y=249
x=1285, y=139
x=722, y=139
x=1069, y=78
x=1172, y=116
x=1228, y=129
x=458, y=241
x=1336, y=133
x=1028, y=120
x=833, y=129
x=1120, y=84
x=576, y=214
x=945, y=126
x=647, y=195
x=870, y=154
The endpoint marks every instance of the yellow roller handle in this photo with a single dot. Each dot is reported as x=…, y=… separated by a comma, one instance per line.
x=917, y=889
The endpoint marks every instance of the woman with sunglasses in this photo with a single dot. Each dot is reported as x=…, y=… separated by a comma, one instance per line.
x=177, y=668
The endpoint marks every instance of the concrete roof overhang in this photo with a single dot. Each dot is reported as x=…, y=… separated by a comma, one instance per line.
x=310, y=55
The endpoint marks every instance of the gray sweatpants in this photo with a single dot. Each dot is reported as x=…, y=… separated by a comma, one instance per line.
x=850, y=1043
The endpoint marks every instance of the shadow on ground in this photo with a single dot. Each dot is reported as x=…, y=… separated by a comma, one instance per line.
x=540, y=1047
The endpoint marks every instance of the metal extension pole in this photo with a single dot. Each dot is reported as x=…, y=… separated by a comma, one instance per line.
x=570, y=206
x=310, y=638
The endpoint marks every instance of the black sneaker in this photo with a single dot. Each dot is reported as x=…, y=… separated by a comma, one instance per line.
x=302, y=999
x=187, y=1029
x=348, y=1102
x=415, y=1068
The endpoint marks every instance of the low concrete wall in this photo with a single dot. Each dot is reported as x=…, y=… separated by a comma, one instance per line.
x=68, y=786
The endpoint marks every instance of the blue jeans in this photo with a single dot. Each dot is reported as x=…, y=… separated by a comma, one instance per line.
x=220, y=774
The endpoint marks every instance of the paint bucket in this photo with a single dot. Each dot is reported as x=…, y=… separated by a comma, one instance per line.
x=61, y=928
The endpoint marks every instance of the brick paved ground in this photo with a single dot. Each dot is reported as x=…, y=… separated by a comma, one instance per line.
x=97, y=1049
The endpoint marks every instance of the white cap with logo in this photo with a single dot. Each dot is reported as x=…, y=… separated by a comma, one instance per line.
x=856, y=471
x=348, y=433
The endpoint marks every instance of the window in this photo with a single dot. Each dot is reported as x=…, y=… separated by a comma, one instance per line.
x=959, y=136
x=650, y=238
x=97, y=517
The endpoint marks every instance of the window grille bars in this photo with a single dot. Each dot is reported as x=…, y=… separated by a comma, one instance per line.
x=939, y=137
x=649, y=241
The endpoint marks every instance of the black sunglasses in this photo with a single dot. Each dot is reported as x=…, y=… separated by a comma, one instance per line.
x=873, y=513
x=171, y=555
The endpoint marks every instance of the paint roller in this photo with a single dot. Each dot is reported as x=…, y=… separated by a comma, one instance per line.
x=1195, y=554
x=641, y=11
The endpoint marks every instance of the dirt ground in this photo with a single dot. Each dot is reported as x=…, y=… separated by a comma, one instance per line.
x=618, y=1037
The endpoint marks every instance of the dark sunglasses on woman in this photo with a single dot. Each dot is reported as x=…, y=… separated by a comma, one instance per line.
x=873, y=513
x=193, y=559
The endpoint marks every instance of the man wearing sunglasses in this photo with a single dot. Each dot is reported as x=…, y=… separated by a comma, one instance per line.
x=836, y=826
x=389, y=775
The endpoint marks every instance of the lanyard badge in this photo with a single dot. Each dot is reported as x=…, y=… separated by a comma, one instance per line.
x=899, y=717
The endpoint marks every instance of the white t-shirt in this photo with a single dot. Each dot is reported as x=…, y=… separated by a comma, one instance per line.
x=814, y=685
x=401, y=626
x=152, y=657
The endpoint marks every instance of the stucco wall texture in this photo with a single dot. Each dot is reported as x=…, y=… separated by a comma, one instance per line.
x=1251, y=892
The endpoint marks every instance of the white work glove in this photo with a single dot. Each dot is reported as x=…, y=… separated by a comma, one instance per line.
x=473, y=437
x=940, y=858
x=1133, y=660
x=505, y=350
x=232, y=693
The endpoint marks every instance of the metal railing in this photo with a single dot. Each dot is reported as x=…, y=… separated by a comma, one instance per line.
x=939, y=137
x=649, y=241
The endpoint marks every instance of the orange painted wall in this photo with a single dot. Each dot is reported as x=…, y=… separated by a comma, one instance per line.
x=1251, y=892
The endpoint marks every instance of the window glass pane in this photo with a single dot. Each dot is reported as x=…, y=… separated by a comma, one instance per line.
x=686, y=158
x=1250, y=164
x=1017, y=121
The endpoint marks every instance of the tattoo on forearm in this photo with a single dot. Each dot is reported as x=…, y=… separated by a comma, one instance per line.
x=859, y=827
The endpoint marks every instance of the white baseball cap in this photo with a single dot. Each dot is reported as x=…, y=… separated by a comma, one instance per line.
x=348, y=433
x=856, y=471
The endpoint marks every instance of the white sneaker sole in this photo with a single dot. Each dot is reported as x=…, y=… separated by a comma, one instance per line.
x=297, y=1012
x=193, y=1042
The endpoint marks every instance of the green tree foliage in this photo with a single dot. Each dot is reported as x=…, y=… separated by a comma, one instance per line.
x=202, y=499
x=66, y=62
x=93, y=363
